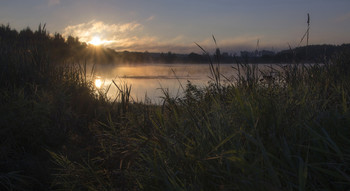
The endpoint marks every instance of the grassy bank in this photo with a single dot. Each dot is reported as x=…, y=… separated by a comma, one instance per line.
x=59, y=134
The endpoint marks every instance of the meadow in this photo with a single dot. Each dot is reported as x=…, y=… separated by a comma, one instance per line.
x=58, y=132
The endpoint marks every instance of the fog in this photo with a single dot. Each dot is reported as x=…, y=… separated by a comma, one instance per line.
x=150, y=80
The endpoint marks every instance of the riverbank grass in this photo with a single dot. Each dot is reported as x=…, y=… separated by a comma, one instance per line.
x=59, y=133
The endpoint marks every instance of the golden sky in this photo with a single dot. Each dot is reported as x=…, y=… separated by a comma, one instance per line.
x=167, y=25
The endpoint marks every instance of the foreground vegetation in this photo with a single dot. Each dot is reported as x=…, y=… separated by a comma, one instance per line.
x=57, y=133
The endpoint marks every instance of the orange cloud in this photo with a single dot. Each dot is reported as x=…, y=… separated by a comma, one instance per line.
x=109, y=32
x=130, y=37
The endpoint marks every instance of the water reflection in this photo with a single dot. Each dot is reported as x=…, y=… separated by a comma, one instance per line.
x=152, y=79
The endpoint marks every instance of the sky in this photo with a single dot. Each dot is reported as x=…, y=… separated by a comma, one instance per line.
x=176, y=25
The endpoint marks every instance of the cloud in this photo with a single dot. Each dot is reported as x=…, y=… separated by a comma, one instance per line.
x=54, y=2
x=153, y=44
x=108, y=32
x=131, y=37
x=150, y=18
x=231, y=44
x=125, y=36
x=181, y=44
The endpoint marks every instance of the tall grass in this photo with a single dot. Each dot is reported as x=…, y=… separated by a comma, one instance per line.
x=59, y=134
x=253, y=137
x=43, y=105
x=292, y=135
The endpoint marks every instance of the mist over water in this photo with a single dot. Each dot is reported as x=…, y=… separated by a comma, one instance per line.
x=148, y=80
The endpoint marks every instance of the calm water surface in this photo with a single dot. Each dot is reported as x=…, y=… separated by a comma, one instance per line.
x=148, y=80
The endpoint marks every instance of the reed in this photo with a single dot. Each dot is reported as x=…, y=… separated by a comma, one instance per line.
x=58, y=133
x=253, y=137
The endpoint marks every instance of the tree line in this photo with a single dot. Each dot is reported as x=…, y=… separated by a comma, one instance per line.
x=71, y=49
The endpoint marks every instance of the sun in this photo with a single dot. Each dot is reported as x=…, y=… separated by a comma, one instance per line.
x=96, y=41
x=98, y=83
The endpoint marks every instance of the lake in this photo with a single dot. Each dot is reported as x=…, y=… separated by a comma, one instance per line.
x=149, y=79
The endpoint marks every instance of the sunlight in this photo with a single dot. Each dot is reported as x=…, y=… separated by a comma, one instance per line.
x=98, y=83
x=96, y=41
